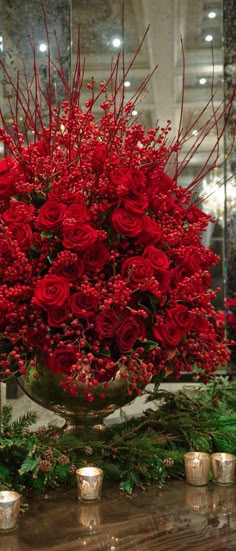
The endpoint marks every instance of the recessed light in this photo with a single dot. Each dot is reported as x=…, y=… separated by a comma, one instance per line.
x=42, y=47
x=202, y=81
x=116, y=42
x=134, y=112
x=127, y=83
x=208, y=38
x=211, y=14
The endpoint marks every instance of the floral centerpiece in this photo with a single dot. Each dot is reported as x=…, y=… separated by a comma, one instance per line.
x=102, y=273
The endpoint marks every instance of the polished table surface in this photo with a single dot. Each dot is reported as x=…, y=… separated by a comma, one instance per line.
x=177, y=517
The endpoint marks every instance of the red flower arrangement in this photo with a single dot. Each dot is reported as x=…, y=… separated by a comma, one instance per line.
x=102, y=270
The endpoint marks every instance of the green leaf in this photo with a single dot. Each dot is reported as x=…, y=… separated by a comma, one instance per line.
x=149, y=345
x=126, y=486
x=29, y=464
x=46, y=235
x=154, y=301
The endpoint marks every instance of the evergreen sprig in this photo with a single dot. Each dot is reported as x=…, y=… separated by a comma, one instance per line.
x=136, y=452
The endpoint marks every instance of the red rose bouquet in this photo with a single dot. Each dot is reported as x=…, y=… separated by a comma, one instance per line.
x=102, y=271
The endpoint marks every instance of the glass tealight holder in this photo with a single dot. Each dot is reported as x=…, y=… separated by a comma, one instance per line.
x=89, y=483
x=223, y=468
x=197, y=466
x=9, y=510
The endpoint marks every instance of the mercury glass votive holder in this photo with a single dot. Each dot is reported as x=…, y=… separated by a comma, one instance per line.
x=223, y=468
x=9, y=510
x=197, y=466
x=89, y=483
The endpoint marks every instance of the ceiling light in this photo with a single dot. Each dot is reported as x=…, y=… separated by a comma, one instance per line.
x=42, y=47
x=194, y=132
x=202, y=81
x=127, y=83
x=211, y=14
x=116, y=42
x=208, y=38
x=134, y=113
x=0, y=38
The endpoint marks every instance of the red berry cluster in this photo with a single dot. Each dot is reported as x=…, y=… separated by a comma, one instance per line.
x=102, y=269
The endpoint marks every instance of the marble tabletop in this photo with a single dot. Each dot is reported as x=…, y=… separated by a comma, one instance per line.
x=176, y=517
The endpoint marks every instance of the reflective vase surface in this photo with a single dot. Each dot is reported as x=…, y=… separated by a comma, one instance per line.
x=77, y=411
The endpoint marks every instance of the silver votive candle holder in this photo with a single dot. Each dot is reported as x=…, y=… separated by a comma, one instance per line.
x=9, y=510
x=89, y=483
x=223, y=468
x=197, y=466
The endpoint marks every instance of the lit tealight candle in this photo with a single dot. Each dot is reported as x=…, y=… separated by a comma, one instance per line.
x=9, y=510
x=89, y=483
x=223, y=467
x=197, y=465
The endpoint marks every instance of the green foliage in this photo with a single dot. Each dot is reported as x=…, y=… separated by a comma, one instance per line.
x=136, y=452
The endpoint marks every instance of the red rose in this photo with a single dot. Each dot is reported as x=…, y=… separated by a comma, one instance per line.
x=156, y=257
x=62, y=360
x=201, y=325
x=168, y=334
x=71, y=268
x=96, y=257
x=136, y=203
x=78, y=211
x=129, y=331
x=126, y=223
x=136, y=181
x=22, y=233
x=102, y=154
x=41, y=148
x=35, y=337
x=83, y=305
x=119, y=178
x=106, y=323
x=99, y=157
x=151, y=231
x=18, y=212
x=127, y=180
x=180, y=316
x=104, y=372
x=194, y=214
x=57, y=315
x=159, y=182
x=177, y=275
x=137, y=270
x=52, y=291
x=7, y=178
x=164, y=279
x=79, y=237
x=191, y=262
x=6, y=165
x=50, y=216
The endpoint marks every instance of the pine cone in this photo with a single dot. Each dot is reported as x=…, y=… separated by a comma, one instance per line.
x=48, y=454
x=168, y=462
x=63, y=459
x=45, y=466
x=88, y=450
x=41, y=431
